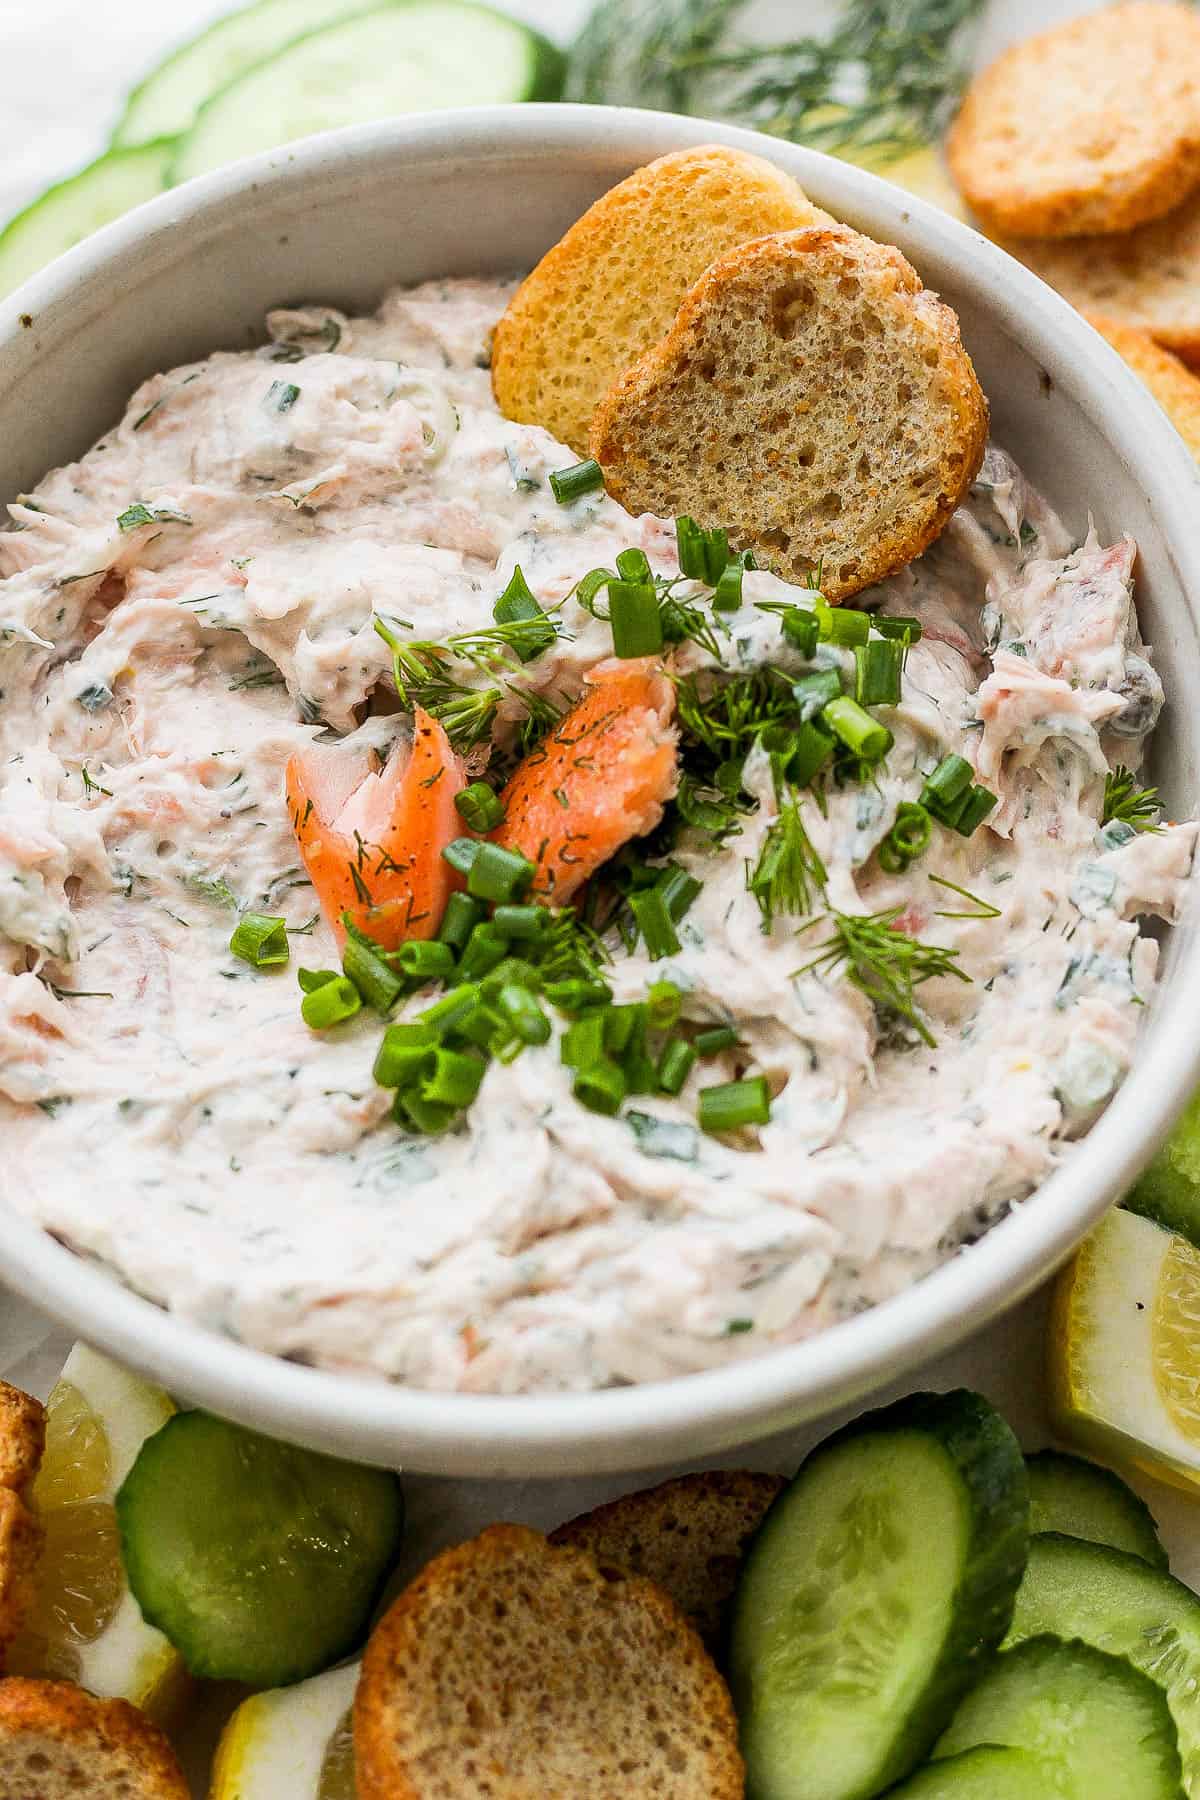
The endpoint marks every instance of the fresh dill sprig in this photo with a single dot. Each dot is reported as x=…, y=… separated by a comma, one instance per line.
x=726, y=717
x=1132, y=805
x=789, y=875
x=881, y=82
x=509, y=646
x=986, y=911
x=423, y=677
x=884, y=963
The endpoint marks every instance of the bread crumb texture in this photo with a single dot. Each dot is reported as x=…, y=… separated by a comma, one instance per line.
x=688, y=1535
x=611, y=286
x=22, y=1437
x=59, y=1743
x=1149, y=278
x=1091, y=127
x=813, y=398
x=511, y=1670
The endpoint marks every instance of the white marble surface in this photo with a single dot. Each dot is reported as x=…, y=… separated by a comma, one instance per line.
x=67, y=66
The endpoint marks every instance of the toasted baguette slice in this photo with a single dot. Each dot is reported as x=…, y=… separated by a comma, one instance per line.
x=58, y=1743
x=813, y=398
x=687, y=1535
x=21, y=1540
x=1091, y=127
x=610, y=287
x=518, y=1671
x=1171, y=382
x=1149, y=278
x=22, y=1437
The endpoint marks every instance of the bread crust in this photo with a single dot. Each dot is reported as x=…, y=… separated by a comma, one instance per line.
x=610, y=286
x=814, y=399
x=56, y=1740
x=21, y=1542
x=522, y=1671
x=22, y=1437
x=1091, y=127
x=1172, y=383
x=687, y=1535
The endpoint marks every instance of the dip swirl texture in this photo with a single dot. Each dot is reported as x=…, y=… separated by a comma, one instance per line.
x=194, y=601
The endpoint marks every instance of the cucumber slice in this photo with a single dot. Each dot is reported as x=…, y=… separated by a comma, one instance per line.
x=1082, y=1500
x=166, y=102
x=1105, y=1731
x=71, y=210
x=1169, y=1190
x=414, y=56
x=877, y=1581
x=1117, y=1603
x=988, y=1773
x=259, y=1561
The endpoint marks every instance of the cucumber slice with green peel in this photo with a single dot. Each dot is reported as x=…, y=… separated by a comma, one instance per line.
x=1103, y=1729
x=71, y=210
x=1169, y=1190
x=875, y=1585
x=258, y=1560
x=1118, y=1603
x=411, y=56
x=166, y=102
x=1082, y=1500
x=988, y=1773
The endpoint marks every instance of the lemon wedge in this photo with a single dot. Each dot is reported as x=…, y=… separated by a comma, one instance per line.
x=85, y=1625
x=1125, y=1348
x=290, y=1743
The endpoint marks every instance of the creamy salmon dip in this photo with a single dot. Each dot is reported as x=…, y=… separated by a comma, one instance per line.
x=194, y=602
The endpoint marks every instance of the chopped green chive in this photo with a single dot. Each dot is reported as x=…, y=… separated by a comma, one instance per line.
x=633, y=611
x=877, y=672
x=703, y=555
x=655, y=923
x=480, y=807
x=404, y=1054
x=461, y=854
x=714, y=1039
x=812, y=747
x=947, y=784
x=601, y=1086
x=912, y=830
x=524, y=1014
x=892, y=625
x=734, y=1104
x=453, y=1079
x=624, y=1029
x=521, y=924
x=862, y=734
x=330, y=1003
x=429, y=1117
x=260, y=940
x=312, y=979
x=801, y=628
x=812, y=693
x=634, y=565
x=461, y=916
x=447, y=1014
x=498, y=874
x=727, y=595
x=664, y=1003
x=583, y=1042
x=573, y=483
x=842, y=624
x=675, y=1064
x=678, y=890
x=281, y=396
x=425, y=960
x=979, y=803
x=483, y=950
x=576, y=994
x=362, y=962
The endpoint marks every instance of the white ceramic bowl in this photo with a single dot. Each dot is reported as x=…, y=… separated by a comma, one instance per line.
x=343, y=217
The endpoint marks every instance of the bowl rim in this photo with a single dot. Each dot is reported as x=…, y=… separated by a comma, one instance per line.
x=625, y=1428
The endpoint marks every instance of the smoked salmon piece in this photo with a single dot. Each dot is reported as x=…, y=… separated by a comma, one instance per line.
x=372, y=841
x=601, y=777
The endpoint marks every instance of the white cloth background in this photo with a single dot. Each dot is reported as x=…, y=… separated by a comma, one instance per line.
x=67, y=65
